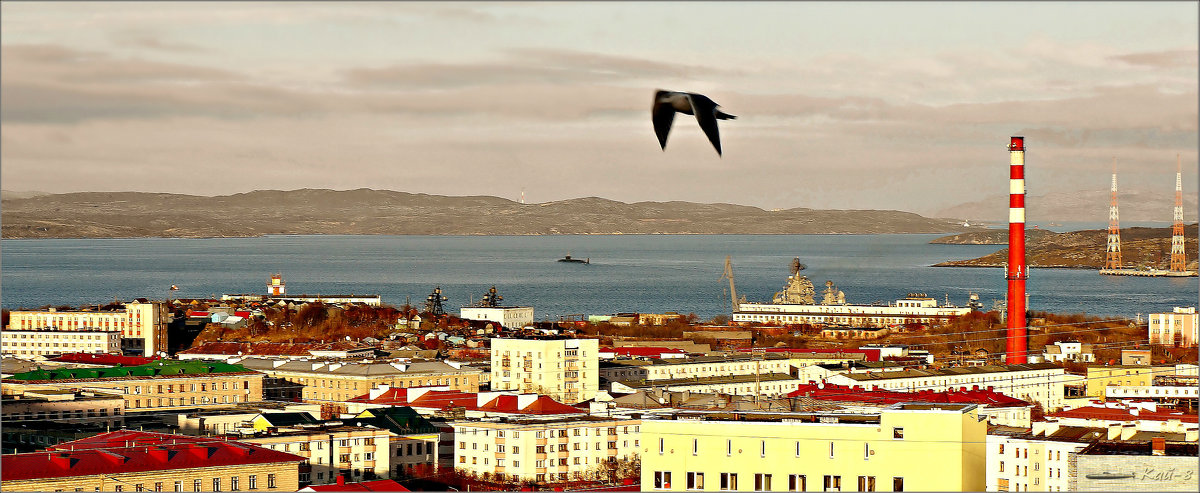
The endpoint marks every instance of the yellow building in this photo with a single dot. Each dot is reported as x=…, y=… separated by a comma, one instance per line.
x=566, y=370
x=140, y=461
x=155, y=386
x=913, y=447
x=1101, y=377
x=142, y=324
x=317, y=381
x=701, y=367
x=544, y=450
x=53, y=342
x=1179, y=328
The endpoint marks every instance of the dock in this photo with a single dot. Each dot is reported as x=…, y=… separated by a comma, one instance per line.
x=1147, y=273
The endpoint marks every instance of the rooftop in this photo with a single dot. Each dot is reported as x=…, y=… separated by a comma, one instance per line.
x=159, y=368
x=832, y=392
x=960, y=370
x=723, y=380
x=128, y=451
x=1171, y=449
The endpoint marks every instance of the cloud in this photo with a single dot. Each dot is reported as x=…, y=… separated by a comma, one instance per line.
x=147, y=39
x=1161, y=59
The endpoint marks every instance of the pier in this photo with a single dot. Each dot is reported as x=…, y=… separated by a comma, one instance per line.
x=1147, y=273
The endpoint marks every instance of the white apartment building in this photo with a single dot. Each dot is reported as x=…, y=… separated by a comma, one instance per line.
x=1179, y=327
x=1028, y=462
x=567, y=370
x=1033, y=382
x=701, y=367
x=142, y=324
x=512, y=317
x=32, y=342
x=359, y=453
x=531, y=450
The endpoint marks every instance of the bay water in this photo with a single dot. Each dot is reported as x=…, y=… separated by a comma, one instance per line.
x=627, y=273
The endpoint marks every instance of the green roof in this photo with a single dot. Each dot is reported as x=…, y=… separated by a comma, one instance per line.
x=164, y=368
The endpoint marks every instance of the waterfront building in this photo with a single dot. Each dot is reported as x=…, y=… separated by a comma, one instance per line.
x=1178, y=328
x=326, y=381
x=509, y=317
x=1098, y=378
x=156, y=386
x=1069, y=351
x=886, y=451
x=128, y=460
x=142, y=324
x=796, y=311
x=1033, y=382
x=328, y=299
x=567, y=370
x=541, y=450
x=32, y=342
x=277, y=350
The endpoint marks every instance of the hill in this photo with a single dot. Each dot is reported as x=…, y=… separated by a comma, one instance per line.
x=385, y=212
x=1078, y=249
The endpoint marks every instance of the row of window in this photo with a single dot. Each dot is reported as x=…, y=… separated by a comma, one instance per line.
x=897, y=434
x=170, y=401
x=762, y=482
x=560, y=433
x=542, y=449
x=197, y=484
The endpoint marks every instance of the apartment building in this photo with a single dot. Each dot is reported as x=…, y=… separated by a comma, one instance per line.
x=336, y=381
x=1041, y=461
x=141, y=461
x=33, y=342
x=566, y=370
x=156, y=386
x=767, y=384
x=1178, y=328
x=142, y=324
x=550, y=451
x=904, y=447
x=1034, y=382
x=700, y=367
x=64, y=405
x=510, y=317
x=356, y=453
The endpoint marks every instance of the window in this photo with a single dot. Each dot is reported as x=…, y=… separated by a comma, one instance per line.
x=179, y=486
x=271, y=480
x=762, y=448
x=139, y=487
x=866, y=450
x=866, y=483
x=1001, y=466
x=830, y=450
x=762, y=482
x=158, y=486
x=728, y=447
x=897, y=433
x=797, y=448
x=1002, y=448
x=695, y=446
x=729, y=481
x=216, y=484
x=662, y=446
x=197, y=485
x=662, y=479
x=797, y=482
x=833, y=483
x=897, y=484
x=695, y=480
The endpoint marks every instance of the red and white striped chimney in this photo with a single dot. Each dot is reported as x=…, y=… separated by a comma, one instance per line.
x=1016, y=344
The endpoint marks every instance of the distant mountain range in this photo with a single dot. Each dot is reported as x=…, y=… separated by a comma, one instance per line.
x=384, y=212
x=1086, y=249
x=1078, y=206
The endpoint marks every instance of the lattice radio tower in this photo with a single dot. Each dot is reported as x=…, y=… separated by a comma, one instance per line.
x=1178, y=257
x=1112, y=259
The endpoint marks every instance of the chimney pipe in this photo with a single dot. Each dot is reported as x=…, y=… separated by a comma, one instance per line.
x=1158, y=446
x=1016, y=343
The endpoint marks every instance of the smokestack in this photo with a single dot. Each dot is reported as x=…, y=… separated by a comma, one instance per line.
x=1016, y=342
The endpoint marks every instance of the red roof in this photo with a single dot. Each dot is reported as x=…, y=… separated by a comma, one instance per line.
x=542, y=405
x=380, y=485
x=1123, y=414
x=442, y=399
x=833, y=392
x=127, y=451
x=104, y=359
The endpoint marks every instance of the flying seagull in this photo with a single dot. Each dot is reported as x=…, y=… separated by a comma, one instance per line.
x=666, y=103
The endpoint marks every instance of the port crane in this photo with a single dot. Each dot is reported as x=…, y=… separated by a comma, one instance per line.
x=733, y=298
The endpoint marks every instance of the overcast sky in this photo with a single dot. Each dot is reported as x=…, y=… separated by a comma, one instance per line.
x=894, y=105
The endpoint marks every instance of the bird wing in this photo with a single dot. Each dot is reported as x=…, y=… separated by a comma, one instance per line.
x=663, y=114
x=706, y=114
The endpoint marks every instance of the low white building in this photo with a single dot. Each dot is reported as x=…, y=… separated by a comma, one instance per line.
x=33, y=342
x=512, y=317
x=1069, y=351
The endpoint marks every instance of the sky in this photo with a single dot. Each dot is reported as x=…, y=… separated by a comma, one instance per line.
x=840, y=105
